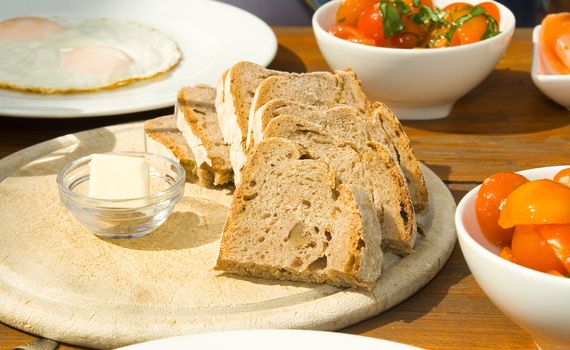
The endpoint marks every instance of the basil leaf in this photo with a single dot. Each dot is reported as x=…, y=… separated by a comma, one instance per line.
x=429, y=17
x=416, y=3
x=475, y=11
x=390, y=19
x=492, y=28
x=567, y=276
x=403, y=7
x=341, y=20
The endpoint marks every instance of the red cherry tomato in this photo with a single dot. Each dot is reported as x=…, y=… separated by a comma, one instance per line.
x=350, y=10
x=405, y=40
x=537, y=202
x=370, y=25
x=492, y=10
x=558, y=236
x=350, y=33
x=531, y=250
x=492, y=193
x=563, y=177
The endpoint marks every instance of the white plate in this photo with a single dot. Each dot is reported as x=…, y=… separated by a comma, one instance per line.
x=211, y=35
x=271, y=339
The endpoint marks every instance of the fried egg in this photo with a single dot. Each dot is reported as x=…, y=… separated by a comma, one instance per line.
x=56, y=55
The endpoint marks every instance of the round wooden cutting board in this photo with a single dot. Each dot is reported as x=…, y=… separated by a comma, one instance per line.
x=59, y=281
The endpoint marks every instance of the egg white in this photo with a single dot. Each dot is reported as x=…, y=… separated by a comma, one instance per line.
x=36, y=66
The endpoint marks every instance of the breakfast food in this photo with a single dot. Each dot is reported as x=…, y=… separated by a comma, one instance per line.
x=379, y=126
x=163, y=137
x=246, y=87
x=415, y=23
x=197, y=119
x=554, y=43
x=371, y=167
x=529, y=220
x=329, y=182
x=57, y=55
x=290, y=220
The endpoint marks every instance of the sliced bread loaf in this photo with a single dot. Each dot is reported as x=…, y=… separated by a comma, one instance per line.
x=289, y=220
x=379, y=126
x=235, y=91
x=370, y=167
x=197, y=119
x=162, y=137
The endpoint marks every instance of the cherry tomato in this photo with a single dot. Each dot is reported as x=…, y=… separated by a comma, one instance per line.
x=558, y=236
x=537, y=202
x=350, y=33
x=350, y=10
x=492, y=10
x=458, y=6
x=563, y=177
x=414, y=9
x=492, y=193
x=554, y=273
x=370, y=25
x=531, y=250
x=405, y=40
x=507, y=254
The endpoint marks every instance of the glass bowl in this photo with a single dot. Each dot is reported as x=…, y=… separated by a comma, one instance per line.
x=129, y=218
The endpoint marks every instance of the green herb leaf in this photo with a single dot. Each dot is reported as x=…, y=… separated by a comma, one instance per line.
x=567, y=276
x=475, y=11
x=402, y=7
x=341, y=20
x=416, y=3
x=429, y=17
x=390, y=18
x=492, y=28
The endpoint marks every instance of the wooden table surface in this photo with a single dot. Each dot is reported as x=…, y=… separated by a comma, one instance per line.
x=505, y=124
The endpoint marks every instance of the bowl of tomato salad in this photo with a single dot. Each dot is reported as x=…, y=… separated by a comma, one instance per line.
x=417, y=56
x=514, y=231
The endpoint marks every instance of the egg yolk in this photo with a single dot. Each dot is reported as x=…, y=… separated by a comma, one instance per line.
x=25, y=29
x=96, y=60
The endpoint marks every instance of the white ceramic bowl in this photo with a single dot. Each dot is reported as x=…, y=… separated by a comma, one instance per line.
x=414, y=83
x=537, y=302
x=555, y=86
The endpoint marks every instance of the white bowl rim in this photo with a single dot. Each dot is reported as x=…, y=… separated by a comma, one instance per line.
x=422, y=51
x=480, y=250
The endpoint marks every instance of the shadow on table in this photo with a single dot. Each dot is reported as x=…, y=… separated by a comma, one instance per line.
x=506, y=102
x=426, y=300
x=288, y=61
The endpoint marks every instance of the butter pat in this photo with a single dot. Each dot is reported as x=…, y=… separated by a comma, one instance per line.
x=119, y=177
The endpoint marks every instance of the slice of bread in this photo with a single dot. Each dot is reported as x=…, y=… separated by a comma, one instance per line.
x=235, y=91
x=289, y=220
x=370, y=167
x=377, y=126
x=410, y=165
x=197, y=119
x=162, y=137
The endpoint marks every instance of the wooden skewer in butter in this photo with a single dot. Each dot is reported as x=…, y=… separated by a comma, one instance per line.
x=118, y=177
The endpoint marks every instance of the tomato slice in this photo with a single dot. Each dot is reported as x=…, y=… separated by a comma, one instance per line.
x=558, y=236
x=349, y=11
x=458, y=6
x=507, y=254
x=537, y=202
x=563, y=176
x=492, y=193
x=370, y=25
x=492, y=10
x=531, y=250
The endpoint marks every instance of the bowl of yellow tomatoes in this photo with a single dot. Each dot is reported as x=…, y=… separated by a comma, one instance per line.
x=514, y=231
x=417, y=56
